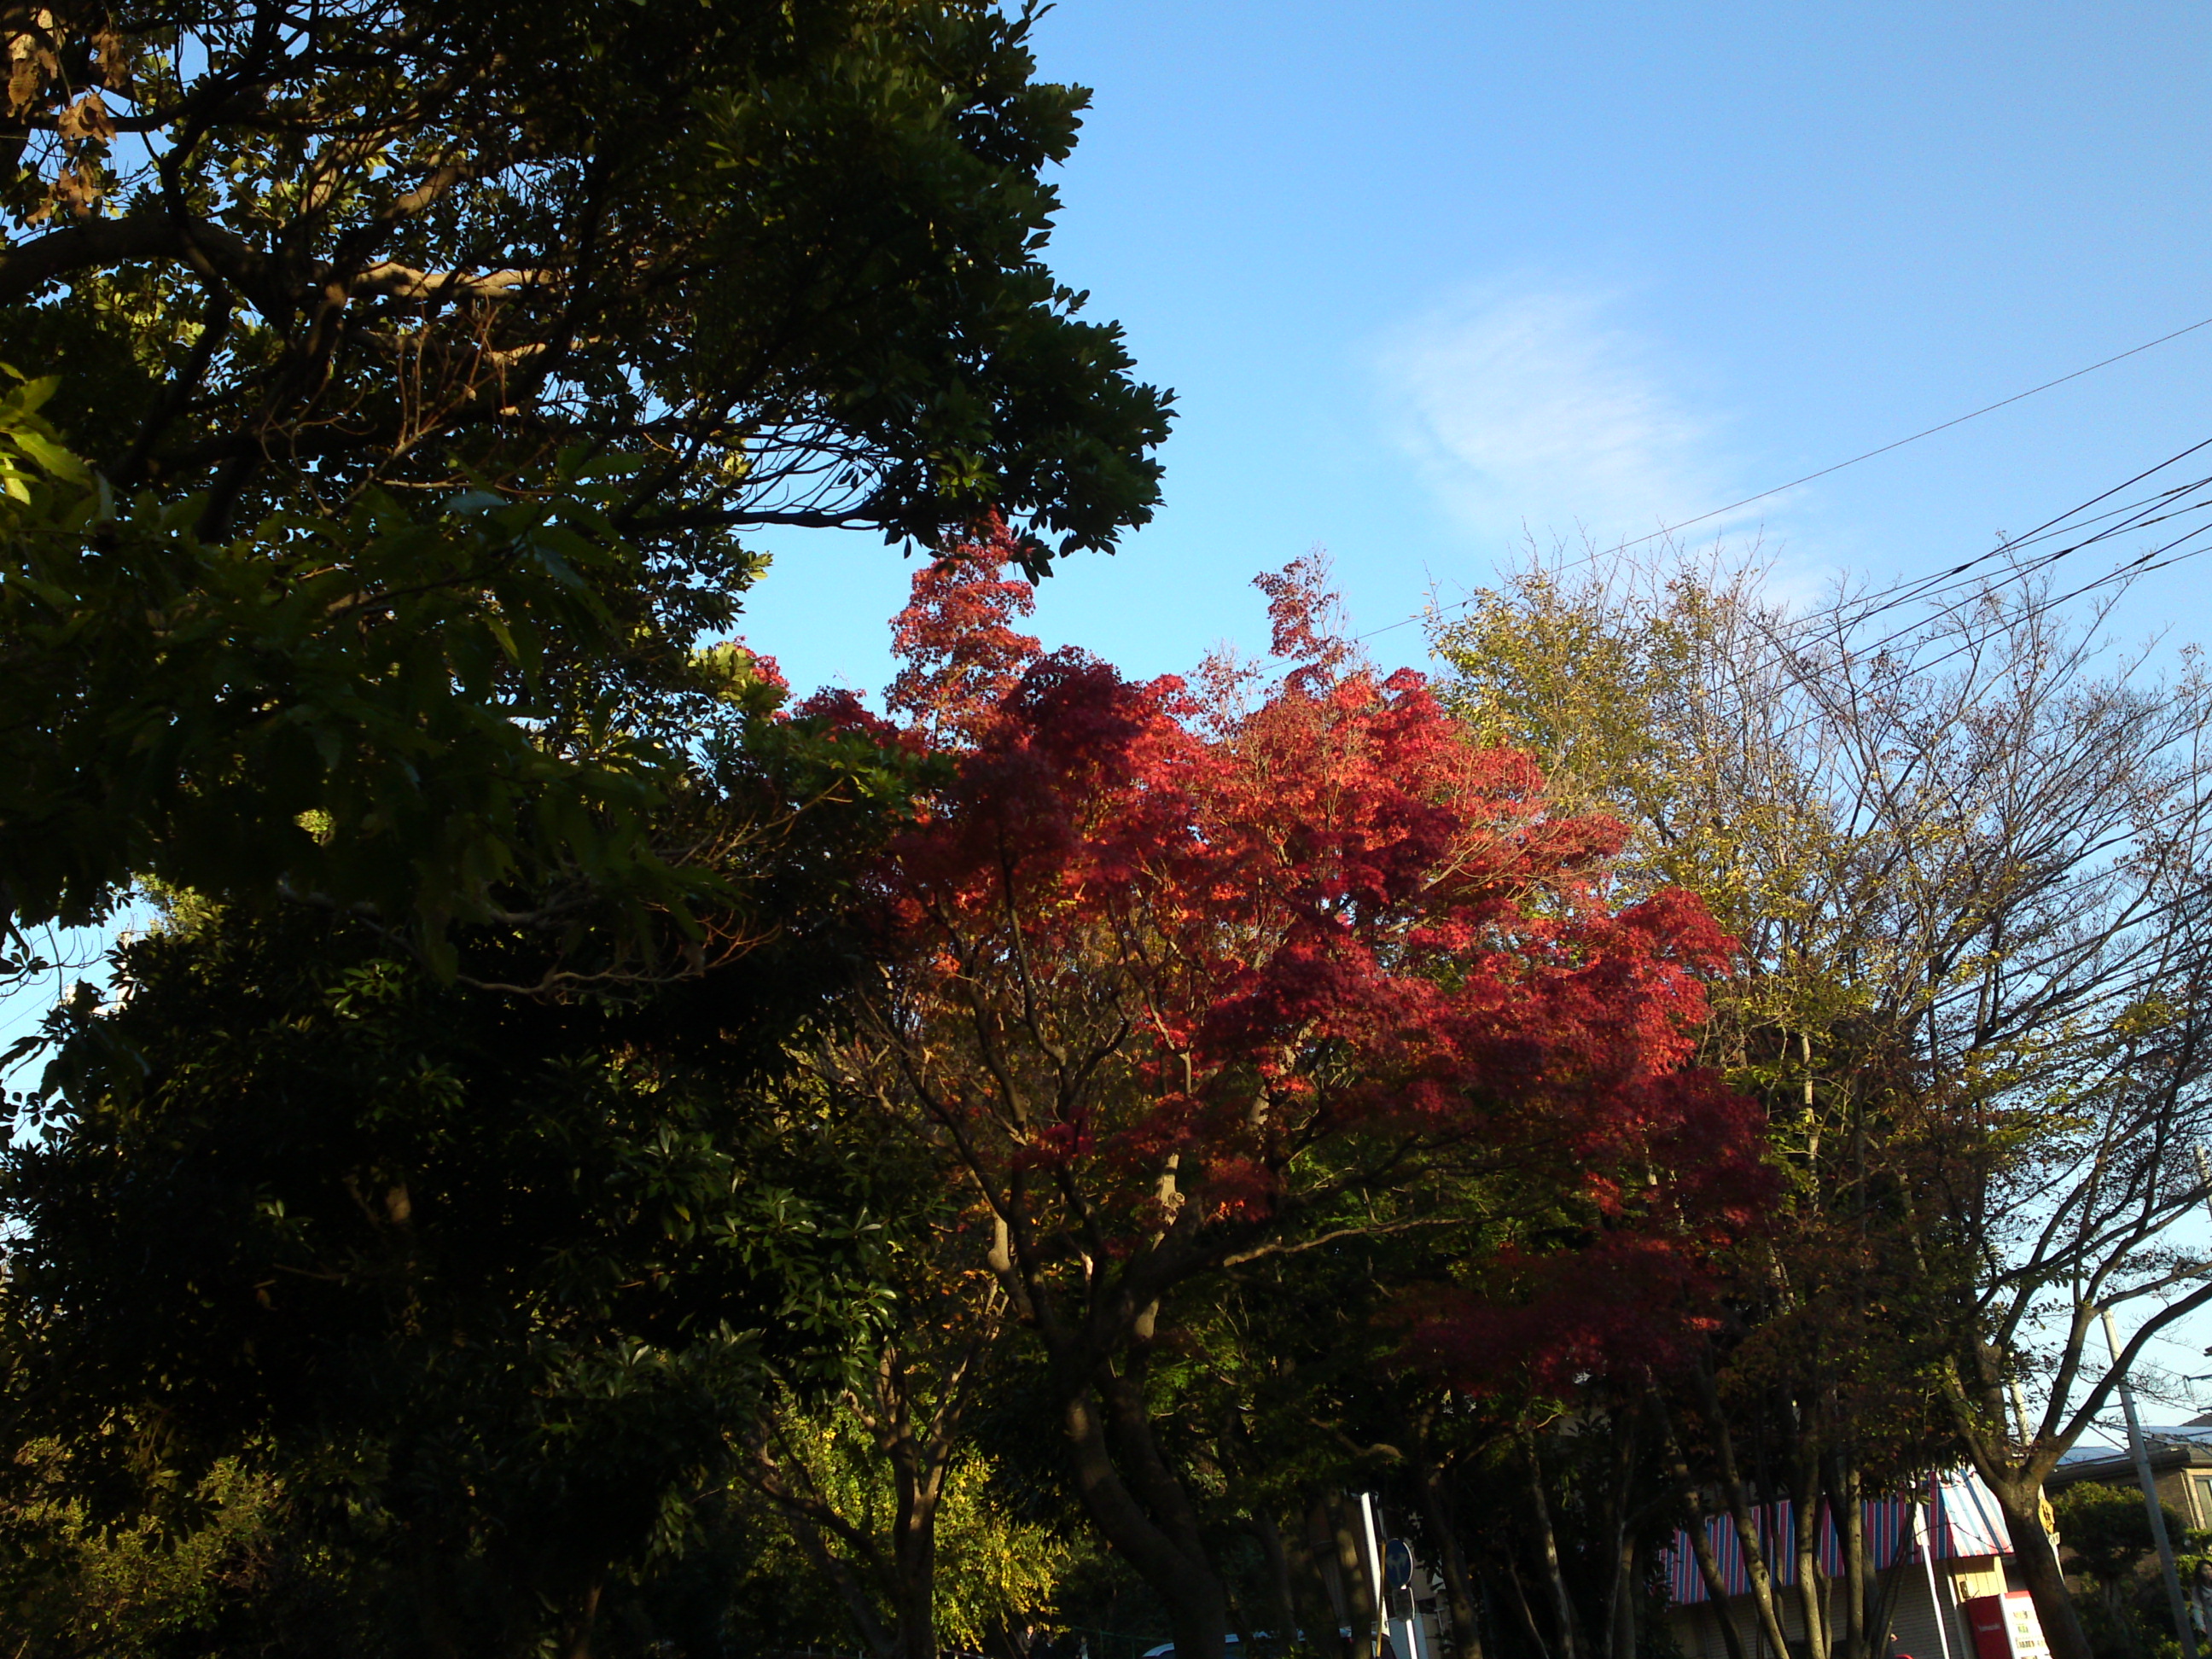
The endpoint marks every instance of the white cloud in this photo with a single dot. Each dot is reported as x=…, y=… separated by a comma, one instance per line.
x=1527, y=406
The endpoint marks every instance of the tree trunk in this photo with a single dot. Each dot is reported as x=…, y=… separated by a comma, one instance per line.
x=1701, y=1543
x=917, y=1584
x=1527, y=1612
x=918, y=1478
x=1623, y=1601
x=576, y=1625
x=1709, y=1569
x=1740, y=1511
x=1158, y=1538
x=1622, y=1516
x=1283, y=1608
x=1547, y=1546
x=1812, y=1582
x=1321, y=1555
x=2021, y=1503
x=1363, y=1616
x=1844, y=1504
x=1451, y=1558
x=1892, y=1582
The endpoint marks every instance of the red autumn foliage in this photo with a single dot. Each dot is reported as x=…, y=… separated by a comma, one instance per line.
x=1181, y=975
x=1191, y=975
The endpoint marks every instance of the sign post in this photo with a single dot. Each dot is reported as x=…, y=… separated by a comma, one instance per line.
x=1406, y=1637
x=1371, y=1528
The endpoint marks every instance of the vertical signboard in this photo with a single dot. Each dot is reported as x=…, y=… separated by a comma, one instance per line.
x=2006, y=1628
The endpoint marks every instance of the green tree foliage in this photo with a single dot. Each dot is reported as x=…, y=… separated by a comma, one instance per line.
x=1964, y=852
x=400, y=711
x=784, y=256
x=71, y=1585
x=2108, y=1530
x=483, y=1280
x=426, y=363
x=2107, y=1535
x=995, y=1569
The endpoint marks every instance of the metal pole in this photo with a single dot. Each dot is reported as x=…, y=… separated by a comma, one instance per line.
x=1934, y=1596
x=2175, y=1605
x=2198, y=1604
x=1373, y=1524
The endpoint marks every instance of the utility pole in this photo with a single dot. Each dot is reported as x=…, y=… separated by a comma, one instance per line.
x=2149, y=1484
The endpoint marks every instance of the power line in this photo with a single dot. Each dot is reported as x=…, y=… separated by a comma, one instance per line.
x=1899, y=443
x=2161, y=506
x=1930, y=432
x=2137, y=516
x=2192, y=499
x=2130, y=516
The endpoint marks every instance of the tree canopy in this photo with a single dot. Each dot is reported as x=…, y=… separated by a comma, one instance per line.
x=404, y=380
x=1188, y=976
x=784, y=260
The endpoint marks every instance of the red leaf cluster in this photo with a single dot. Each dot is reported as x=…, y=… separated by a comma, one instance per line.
x=1194, y=973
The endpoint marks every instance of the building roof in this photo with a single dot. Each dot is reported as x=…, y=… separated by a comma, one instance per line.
x=2188, y=1446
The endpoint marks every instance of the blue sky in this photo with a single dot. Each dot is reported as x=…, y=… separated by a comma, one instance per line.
x=1427, y=276
x=1424, y=276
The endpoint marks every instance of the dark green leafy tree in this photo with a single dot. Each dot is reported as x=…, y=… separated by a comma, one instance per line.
x=403, y=381
x=396, y=713
x=786, y=257
x=488, y=1286
x=421, y=366
x=2106, y=1531
x=485, y=1283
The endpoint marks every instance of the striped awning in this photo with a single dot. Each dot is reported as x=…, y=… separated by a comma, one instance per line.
x=1963, y=1520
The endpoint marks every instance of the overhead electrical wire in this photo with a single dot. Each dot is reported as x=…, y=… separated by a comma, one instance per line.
x=2130, y=515
x=2164, y=506
x=1930, y=432
x=2176, y=502
x=2180, y=501
x=2137, y=514
x=1931, y=582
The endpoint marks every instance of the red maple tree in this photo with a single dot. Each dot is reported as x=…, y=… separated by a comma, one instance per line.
x=1184, y=974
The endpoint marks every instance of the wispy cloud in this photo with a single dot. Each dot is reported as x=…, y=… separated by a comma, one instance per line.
x=1529, y=406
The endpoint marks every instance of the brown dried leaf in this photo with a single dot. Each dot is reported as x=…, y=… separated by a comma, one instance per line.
x=79, y=186
x=114, y=52
x=26, y=81
x=87, y=120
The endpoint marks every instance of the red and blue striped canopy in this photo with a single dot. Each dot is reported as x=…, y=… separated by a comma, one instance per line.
x=1963, y=1520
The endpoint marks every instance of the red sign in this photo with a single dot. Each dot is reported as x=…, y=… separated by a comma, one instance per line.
x=2006, y=1628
